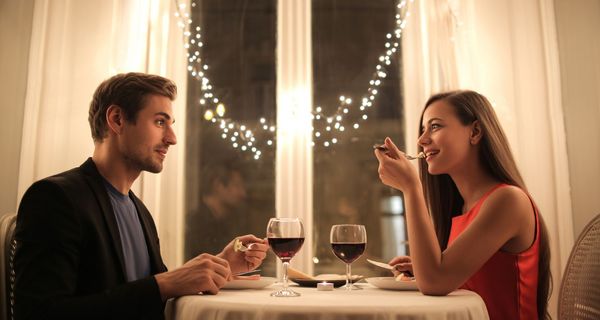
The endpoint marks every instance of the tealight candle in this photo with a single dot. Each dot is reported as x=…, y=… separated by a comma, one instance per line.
x=325, y=286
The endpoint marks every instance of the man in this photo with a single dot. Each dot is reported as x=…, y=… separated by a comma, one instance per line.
x=87, y=246
x=219, y=216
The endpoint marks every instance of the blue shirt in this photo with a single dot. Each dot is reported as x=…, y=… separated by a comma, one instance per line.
x=135, y=250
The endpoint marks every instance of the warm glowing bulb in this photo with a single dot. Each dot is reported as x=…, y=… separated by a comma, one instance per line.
x=208, y=115
x=221, y=109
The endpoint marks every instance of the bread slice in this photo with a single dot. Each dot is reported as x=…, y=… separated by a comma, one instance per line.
x=297, y=274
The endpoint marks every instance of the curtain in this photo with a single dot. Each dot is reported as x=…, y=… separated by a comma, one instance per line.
x=75, y=45
x=507, y=51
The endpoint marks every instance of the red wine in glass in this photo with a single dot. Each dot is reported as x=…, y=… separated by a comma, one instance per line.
x=348, y=252
x=285, y=248
x=285, y=236
x=348, y=242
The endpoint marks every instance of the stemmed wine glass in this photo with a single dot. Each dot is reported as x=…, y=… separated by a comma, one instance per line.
x=285, y=236
x=348, y=242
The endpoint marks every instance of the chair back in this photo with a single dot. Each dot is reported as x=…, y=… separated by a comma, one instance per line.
x=580, y=289
x=7, y=254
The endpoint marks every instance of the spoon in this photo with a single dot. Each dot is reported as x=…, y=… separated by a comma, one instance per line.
x=383, y=148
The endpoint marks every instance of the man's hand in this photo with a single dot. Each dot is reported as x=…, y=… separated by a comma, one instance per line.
x=205, y=273
x=249, y=259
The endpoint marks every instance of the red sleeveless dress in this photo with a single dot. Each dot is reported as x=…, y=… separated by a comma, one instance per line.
x=507, y=282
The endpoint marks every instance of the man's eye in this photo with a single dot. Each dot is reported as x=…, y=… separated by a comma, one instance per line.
x=160, y=122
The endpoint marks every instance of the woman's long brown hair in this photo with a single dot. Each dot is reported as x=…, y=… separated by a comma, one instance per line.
x=441, y=193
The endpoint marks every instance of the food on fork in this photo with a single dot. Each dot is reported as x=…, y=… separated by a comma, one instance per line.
x=238, y=246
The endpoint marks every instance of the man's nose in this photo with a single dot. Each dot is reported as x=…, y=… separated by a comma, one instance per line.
x=170, y=137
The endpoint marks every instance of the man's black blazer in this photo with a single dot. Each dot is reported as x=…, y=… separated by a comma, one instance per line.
x=69, y=261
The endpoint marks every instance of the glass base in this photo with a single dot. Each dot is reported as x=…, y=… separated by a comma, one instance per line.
x=285, y=293
x=350, y=286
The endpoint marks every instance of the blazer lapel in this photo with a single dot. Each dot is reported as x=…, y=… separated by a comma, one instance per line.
x=95, y=181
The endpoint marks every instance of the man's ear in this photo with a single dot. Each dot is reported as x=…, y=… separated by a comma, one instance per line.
x=115, y=119
x=476, y=132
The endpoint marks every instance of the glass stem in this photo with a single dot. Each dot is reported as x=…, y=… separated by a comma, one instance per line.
x=285, y=276
x=348, y=271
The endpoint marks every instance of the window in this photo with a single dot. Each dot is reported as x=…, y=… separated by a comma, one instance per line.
x=348, y=39
x=229, y=192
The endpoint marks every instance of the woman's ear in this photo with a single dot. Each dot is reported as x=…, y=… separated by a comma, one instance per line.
x=115, y=119
x=476, y=132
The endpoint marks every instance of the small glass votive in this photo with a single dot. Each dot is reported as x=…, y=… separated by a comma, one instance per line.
x=325, y=286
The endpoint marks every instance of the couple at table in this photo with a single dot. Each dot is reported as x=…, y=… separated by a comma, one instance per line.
x=88, y=247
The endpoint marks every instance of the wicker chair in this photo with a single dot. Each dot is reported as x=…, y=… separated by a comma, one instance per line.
x=7, y=274
x=580, y=290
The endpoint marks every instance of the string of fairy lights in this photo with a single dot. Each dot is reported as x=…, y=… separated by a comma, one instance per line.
x=244, y=137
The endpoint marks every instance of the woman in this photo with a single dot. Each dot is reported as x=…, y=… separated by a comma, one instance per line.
x=487, y=235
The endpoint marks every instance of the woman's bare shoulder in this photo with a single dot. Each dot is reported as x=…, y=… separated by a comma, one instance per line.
x=512, y=201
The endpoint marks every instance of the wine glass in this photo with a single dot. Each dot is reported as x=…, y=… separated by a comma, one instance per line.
x=348, y=242
x=285, y=236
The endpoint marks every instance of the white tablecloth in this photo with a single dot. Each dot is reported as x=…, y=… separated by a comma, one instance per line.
x=370, y=303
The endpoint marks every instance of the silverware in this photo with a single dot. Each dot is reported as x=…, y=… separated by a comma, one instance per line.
x=388, y=267
x=380, y=264
x=248, y=273
x=383, y=148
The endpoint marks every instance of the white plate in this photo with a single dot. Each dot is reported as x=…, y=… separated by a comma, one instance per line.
x=390, y=283
x=250, y=284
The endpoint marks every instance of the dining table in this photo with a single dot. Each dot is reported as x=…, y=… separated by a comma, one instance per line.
x=369, y=303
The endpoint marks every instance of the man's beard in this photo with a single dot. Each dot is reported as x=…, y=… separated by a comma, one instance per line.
x=145, y=163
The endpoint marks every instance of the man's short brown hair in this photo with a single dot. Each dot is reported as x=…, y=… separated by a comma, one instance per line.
x=129, y=92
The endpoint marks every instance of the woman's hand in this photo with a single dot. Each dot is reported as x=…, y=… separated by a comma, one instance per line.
x=247, y=260
x=394, y=170
x=402, y=264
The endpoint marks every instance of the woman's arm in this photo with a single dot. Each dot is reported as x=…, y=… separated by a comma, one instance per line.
x=505, y=216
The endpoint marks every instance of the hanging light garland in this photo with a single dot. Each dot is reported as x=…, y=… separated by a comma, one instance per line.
x=243, y=137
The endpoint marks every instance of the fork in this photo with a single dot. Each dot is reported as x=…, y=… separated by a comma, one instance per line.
x=238, y=246
x=383, y=148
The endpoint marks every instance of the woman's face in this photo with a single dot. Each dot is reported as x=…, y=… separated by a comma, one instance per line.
x=445, y=140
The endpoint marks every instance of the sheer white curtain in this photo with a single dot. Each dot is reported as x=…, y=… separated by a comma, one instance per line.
x=507, y=51
x=74, y=46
